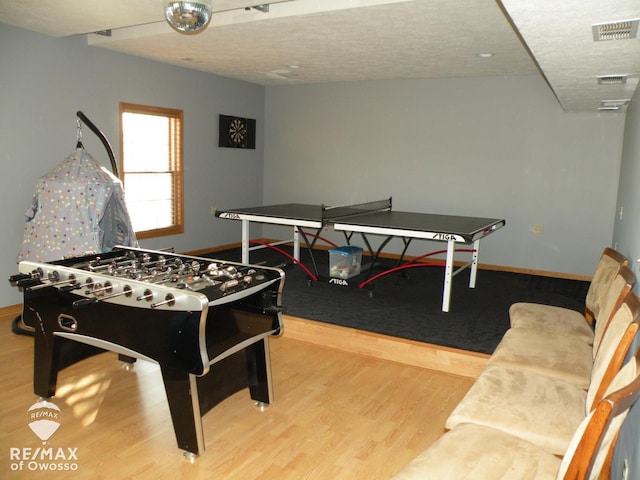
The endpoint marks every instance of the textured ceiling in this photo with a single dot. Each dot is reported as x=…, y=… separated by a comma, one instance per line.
x=353, y=40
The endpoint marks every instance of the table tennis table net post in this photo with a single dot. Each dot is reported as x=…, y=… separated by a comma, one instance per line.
x=342, y=211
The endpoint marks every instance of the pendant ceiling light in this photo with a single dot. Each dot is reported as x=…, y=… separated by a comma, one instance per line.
x=188, y=17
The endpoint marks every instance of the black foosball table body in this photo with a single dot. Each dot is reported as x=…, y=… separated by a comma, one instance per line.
x=205, y=322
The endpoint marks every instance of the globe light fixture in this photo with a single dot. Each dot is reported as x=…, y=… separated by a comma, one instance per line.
x=188, y=17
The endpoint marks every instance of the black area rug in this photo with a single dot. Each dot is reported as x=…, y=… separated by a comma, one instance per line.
x=410, y=306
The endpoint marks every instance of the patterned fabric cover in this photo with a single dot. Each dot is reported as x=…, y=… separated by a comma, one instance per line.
x=78, y=208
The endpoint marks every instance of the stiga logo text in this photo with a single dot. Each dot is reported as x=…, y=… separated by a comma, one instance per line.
x=43, y=458
x=338, y=281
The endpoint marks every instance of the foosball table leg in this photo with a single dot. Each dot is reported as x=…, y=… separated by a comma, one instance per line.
x=259, y=373
x=262, y=406
x=190, y=456
x=127, y=363
x=182, y=395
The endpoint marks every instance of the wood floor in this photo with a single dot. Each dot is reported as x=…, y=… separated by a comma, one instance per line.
x=336, y=415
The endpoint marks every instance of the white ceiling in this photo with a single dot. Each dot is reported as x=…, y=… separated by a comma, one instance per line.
x=354, y=40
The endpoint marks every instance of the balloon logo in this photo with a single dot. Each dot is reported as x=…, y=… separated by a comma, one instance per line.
x=43, y=419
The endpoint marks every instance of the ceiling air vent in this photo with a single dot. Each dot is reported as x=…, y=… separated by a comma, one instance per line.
x=612, y=79
x=615, y=30
x=614, y=104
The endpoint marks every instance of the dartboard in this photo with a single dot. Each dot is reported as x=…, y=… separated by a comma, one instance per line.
x=237, y=131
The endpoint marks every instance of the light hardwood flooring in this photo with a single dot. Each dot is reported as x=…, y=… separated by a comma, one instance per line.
x=336, y=415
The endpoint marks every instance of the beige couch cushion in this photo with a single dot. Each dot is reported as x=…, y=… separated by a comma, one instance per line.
x=537, y=408
x=559, y=356
x=565, y=320
x=556, y=321
x=476, y=452
x=551, y=319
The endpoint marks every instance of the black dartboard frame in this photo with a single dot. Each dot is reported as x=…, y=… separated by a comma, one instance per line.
x=237, y=132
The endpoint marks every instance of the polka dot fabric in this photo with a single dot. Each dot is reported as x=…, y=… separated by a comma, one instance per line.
x=78, y=208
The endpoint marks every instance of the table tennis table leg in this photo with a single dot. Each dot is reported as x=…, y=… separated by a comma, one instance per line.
x=245, y=240
x=474, y=264
x=296, y=243
x=448, y=276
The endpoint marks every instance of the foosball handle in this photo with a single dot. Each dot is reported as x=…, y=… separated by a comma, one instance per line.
x=84, y=302
x=18, y=277
x=69, y=288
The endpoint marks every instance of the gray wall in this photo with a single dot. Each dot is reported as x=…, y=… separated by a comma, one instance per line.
x=44, y=81
x=627, y=240
x=491, y=147
x=485, y=146
x=626, y=236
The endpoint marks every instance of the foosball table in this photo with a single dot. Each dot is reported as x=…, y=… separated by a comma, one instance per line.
x=205, y=322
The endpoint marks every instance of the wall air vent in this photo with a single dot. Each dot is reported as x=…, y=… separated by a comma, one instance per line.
x=612, y=79
x=615, y=30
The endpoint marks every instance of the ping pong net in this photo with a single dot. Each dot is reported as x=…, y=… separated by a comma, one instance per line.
x=342, y=211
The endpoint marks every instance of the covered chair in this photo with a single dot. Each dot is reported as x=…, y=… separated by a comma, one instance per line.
x=78, y=208
x=478, y=452
x=541, y=409
x=563, y=321
x=564, y=357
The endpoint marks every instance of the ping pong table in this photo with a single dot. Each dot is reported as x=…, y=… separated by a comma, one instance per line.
x=374, y=218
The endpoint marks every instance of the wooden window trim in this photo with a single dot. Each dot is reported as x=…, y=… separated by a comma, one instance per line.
x=178, y=179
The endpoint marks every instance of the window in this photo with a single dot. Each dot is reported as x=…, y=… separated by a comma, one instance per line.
x=151, y=168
